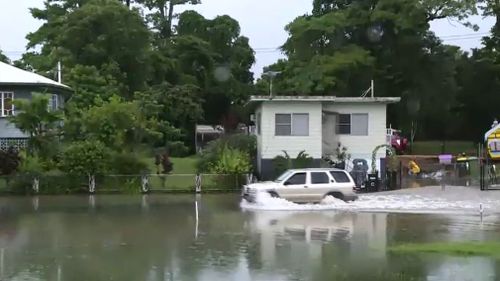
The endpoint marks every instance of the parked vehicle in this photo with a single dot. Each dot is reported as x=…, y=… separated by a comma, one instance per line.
x=306, y=186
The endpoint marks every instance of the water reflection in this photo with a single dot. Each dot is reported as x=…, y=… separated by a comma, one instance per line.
x=153, y=237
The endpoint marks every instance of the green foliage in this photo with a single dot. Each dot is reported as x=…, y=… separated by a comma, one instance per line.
x=9, y=161
x=281, y=163
x=231, y=161
x=343, y=45
x=35, y=119
x=240, y=142
x=4, y=58
x=31, y=165
x=127, y=164
x=88, y=157
x=341, y=153
x=119, y=125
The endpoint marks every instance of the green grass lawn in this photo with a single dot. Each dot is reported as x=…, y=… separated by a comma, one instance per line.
x=450, y=147
x=185, y=165
x=452, y=248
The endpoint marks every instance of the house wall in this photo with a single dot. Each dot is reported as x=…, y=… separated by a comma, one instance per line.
x=358, y=146
x=271, y=145
x=7, y=130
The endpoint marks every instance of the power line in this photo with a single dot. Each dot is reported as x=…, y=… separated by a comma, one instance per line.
x=271, y=50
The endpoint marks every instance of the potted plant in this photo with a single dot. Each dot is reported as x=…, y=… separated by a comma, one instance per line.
x=342, y=157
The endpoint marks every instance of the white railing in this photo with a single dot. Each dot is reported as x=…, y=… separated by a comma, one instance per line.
x=18, y=143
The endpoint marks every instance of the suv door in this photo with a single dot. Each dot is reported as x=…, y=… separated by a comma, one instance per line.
x=293, y=187
x=321, y=184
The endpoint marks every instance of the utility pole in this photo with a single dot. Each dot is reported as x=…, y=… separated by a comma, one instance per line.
x=370, y=90
x=373, y=88
x=271, y=75
x=59, y=75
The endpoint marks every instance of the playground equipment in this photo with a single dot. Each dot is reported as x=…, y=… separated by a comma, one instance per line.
x=490, y=153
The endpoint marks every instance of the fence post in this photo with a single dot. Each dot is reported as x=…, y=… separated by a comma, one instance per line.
x=91, y=183
x=144, y=184
x=197, y=183
x=36, y=185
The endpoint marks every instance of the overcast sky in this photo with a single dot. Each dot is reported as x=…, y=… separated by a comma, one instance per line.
x=262, y=21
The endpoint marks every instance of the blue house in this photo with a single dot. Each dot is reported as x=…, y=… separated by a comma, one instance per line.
x=15, y=84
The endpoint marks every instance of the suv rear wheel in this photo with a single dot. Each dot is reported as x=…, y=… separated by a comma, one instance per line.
x=337, y=195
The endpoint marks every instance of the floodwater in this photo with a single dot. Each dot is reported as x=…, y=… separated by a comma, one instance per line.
x=158, y=237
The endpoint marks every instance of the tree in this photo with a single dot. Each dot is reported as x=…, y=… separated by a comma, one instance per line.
x=110, y=37
x=119, y=125
x=4, y=58
x=162, y=14
x=344, y=44
x=34, y=118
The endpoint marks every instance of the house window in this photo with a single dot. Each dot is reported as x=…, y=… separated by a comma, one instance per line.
x=7, y=105
x=54, y=102
x=295, y=124
x=352, y=124
x=344, y=124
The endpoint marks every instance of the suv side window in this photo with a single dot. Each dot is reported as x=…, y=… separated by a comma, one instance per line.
x=298, y=178
x=340, y=176
x=319, y=178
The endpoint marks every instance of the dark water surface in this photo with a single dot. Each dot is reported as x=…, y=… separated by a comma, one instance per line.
x=157, y=237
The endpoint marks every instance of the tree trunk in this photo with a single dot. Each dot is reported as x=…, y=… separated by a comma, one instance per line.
x=170, y=18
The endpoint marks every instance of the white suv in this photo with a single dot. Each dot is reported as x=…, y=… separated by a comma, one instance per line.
x=306, y=186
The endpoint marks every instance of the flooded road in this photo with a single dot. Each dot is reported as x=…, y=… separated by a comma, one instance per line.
x=158, y=237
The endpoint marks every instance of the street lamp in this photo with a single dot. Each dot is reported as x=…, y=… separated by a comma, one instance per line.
x=271, y=75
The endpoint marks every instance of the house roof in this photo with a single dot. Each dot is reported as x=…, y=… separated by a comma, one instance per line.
x=11, y=75
x=385, y=100
x=207, y=129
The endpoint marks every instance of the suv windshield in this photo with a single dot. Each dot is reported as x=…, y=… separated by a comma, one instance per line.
x=283, y=176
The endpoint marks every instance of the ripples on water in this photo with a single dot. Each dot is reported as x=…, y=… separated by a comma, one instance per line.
x=402, y=202
x=158, y=237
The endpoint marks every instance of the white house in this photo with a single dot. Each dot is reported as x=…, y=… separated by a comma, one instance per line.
x=316, y=125
x=15, y=84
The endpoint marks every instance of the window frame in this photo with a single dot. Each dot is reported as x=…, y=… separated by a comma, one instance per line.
x=292, y=131
x=327, y=176
x=332, y=172
x=2, y=104
x=339, y=124
x=293, y=175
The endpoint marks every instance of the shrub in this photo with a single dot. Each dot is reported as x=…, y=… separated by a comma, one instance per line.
x=177, y=149
x=9, y=161
x=127, y=164
x=31, y=165
x=240, y=142
x=85, y=157
x=231, y=161
x=283, y=163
